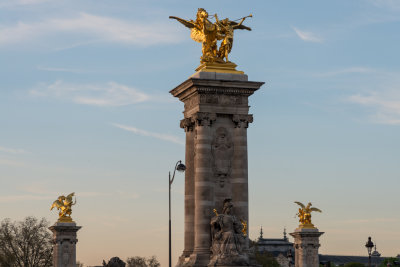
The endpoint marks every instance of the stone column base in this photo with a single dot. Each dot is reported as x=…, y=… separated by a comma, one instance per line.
x=64, y=239
x=306, y=244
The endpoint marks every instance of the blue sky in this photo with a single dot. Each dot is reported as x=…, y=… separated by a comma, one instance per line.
x=85, y=107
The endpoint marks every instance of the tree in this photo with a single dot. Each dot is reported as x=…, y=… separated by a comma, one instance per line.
x=354, y=264
x=138, y=261
x=26, y=243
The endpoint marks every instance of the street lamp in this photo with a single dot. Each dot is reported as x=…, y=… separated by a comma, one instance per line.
x=369, y=245
x=180, y=167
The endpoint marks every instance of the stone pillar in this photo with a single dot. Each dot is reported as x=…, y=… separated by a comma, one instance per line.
x=306, y=244
x=203, y=188
x=240, y=192
x=216, y=154
x=64, y=240
x=188, y=125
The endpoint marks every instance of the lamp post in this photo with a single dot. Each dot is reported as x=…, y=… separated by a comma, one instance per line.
x=180, y=167
x=369, y=245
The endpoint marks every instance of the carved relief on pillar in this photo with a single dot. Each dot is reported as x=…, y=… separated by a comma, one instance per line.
x=204, y=118
x=242, y=121
x=222, y=152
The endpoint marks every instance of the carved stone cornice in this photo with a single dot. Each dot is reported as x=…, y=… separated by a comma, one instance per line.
x=242, y=121
x=204, y=118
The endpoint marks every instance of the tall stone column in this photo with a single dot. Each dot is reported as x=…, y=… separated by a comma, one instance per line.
x=203, y=188
x=306, y=244
x=215, y=120
x=240, y=191
x=64, y=240
x=188, y=125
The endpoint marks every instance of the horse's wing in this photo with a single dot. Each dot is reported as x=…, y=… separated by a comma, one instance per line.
x=189, y=24
x=300, y=204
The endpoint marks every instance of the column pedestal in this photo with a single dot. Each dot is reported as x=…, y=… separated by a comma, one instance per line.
x=64, y=239
x=306, y=244
x=216, y=117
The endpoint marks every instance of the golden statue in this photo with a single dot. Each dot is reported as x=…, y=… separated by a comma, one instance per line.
x=244, y=229
x=304, y=215
x=209, y=33
x=64, y=205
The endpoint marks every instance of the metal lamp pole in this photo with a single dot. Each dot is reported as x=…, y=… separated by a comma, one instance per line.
x=369, y=245
x=180, y=167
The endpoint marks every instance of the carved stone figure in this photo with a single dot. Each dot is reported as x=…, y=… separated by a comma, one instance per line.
x=222, y=151
x=227, y=239
x=114, y=262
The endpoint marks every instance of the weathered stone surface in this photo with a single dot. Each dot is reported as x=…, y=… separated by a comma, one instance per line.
x=215, y=121
x=64, y=239
x=306, y=244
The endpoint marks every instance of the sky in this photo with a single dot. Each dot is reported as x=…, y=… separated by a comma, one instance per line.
x=85, y=108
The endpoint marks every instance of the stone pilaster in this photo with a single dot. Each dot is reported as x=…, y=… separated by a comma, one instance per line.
x=188, y=124
x=306, y=244
x=204, y=189
x=64, y=240
x=215, y=121
x=239, y=181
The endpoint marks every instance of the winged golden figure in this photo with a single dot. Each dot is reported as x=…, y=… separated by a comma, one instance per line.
x=64, y=205
x=304, y=214
x=208, y=33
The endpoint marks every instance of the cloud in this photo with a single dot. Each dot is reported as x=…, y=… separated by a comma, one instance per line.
x=10, y=162
x=389, y=4
x=307, y=36
x=386, y=106
x=351, y=70
x=53, y=69
x=11, y=3
x=165, y=137
x=89, y=28
x=13, y=150
x=110, y=94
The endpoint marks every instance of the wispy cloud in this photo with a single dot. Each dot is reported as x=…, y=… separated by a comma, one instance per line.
x=389, y=4
x=55, y=69
x=89, y=28
x=11, y=3
x=165, y=137
x=351, y=70
x=110, y=94
x=10, y=162
x=307, y=36
x=13, y=150
x=371, y=220
x=386, y=106
x=38, y=192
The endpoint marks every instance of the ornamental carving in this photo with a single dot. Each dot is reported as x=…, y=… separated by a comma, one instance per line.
x=222, y=152
x=204, y=118
x=242, y=121
x=187, y=124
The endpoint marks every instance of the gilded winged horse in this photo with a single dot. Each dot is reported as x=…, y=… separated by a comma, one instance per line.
x=304, y=214
x=64, y=205
x=208, y=33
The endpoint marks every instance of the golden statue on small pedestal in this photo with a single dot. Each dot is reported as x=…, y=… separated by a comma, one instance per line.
x=209, y=33
x=64, y=205
x=304, y=215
